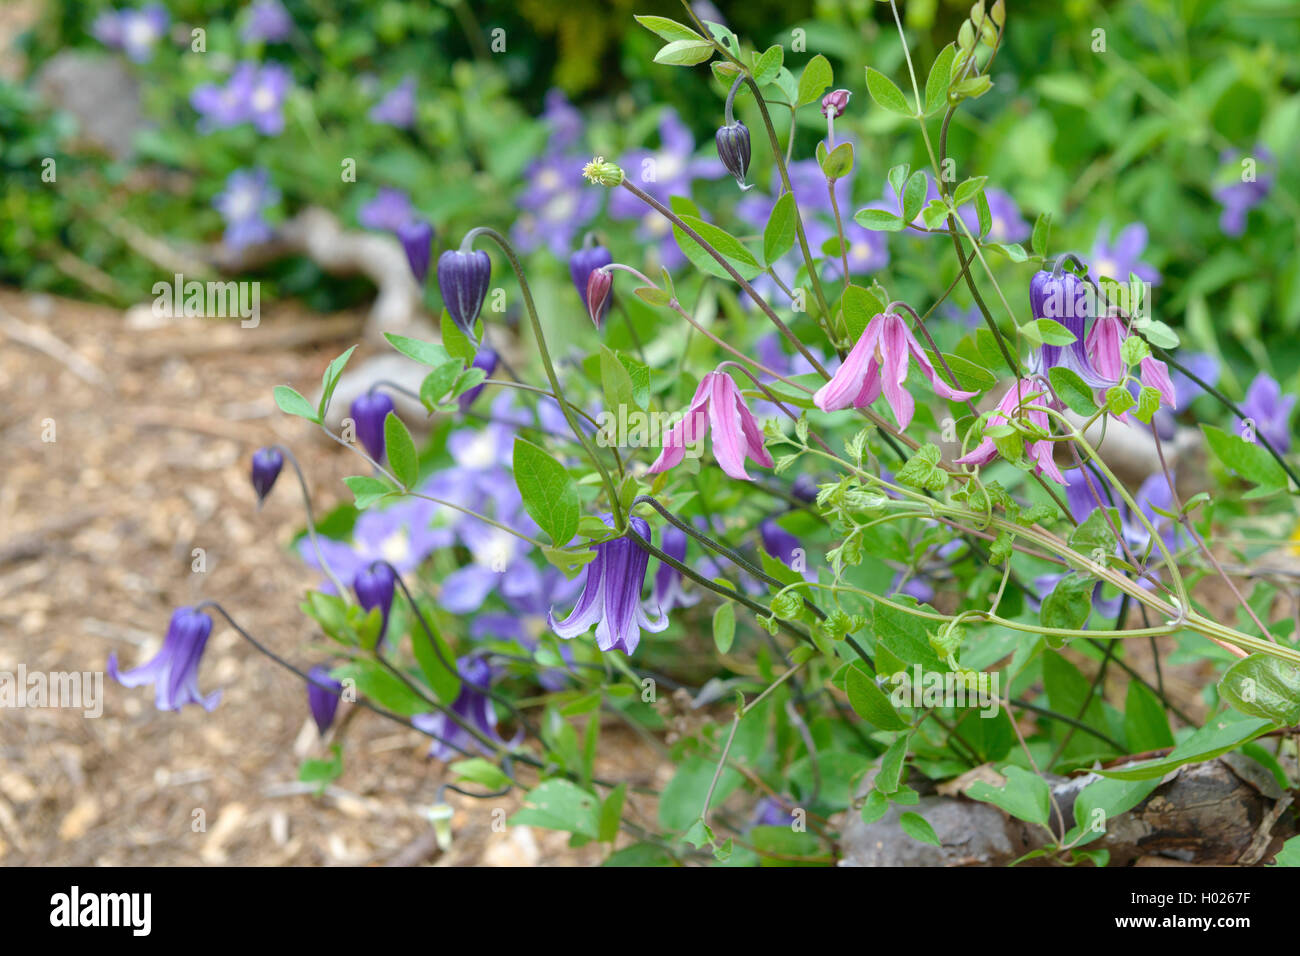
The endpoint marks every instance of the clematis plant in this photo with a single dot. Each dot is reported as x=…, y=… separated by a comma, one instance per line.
x=938, y=496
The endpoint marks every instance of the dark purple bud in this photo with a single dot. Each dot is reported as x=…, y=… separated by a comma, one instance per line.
x=835, y=102
x=1062, y=297
x=463, y=282
x=804, y=488
x=416, y=237
x=778, y=542
x=369, y=409
x=267, y=463
x=322, y=700
x=582, y=263
x=733, y=149
x=599, y=284
x=486, y=359
x=374, y=586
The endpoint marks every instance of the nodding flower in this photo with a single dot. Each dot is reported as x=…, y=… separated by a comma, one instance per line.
x=463, y=278
x=583, y=264
x=267, y=463
x=835, y=102
x=1022, y=392
x=599, y=284
x=374, y=586
x=880, y=359
x=611, y=594
x=1063, y=297
x=1105, y=351
x=667, y=592
x=733, y=150
x=416, y=237
x=174, y=670
x=322, y=697
x=733, y=141
x=473, y=707
x=719, y=407
x=369, y=411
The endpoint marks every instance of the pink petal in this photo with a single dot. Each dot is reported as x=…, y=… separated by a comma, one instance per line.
x=685, y=432
x=1041, y=452
x=1103, y=344
x=860, y=363
x=753, y=434
x=982, y=454
x=941, y=388
x=894, y=354
x=1155, y=374
x=724, y=421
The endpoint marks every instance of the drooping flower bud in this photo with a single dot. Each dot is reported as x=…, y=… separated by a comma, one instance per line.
x=581, y=265
x=374, y=586
x=323, y=701
x=836, y=102
x=416, y=237
x=369, y=410
x=599, y=284
x=463, y=282
x=267, y=463
x=733, y=150
x=486, y=359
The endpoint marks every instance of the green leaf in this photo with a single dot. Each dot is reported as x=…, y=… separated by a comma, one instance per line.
x=839, y=162
x=1215, y=738
x=380, y=686
x=779, y=234
x=684, y=52
x=914, y=195
x=400, y=448
x=1042, y=233
x=918, y=828
x=439, y=382
x=1103, y=800
x=813, y=81
x=1024, y=796
x=1289, y=855
x=1251, y=461
x=1146, y=726
x=426, y=353
x=869, y=701
x=859, y=306
x=878, y=220
x=728, y=246
x=1051, y=332
x=561, y=805
x=891, y=765
x=1264, y=686
x=456, y=342
x=1119, y=399
x=367, y=490
x=549, y=492
x=330, y=380
x=1069, y=604
x=969, y=190
x=768, y=65
x=1072, y=390
x=970, y=377
x=1148, y=403
x=611, y=811
x=886, y=94
x=667, y=29
x=922, y=469
x=444, y=680
x=291, y=402
x=936, y=84
x=724, y=626
x=478, y=770
x=617, y=384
